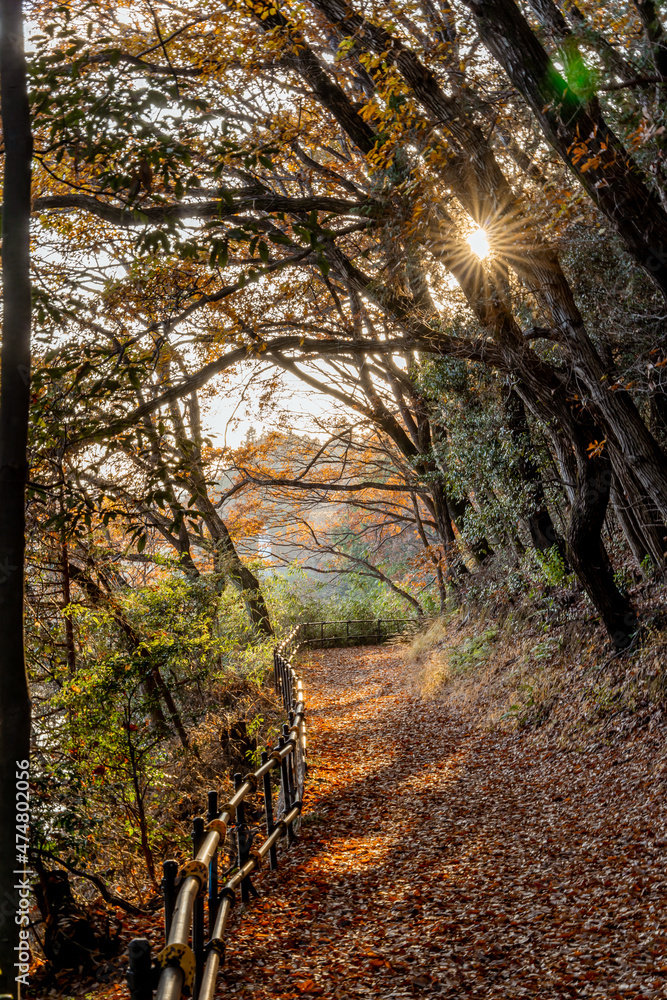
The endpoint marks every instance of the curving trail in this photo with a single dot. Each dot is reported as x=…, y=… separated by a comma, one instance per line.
x=441, y=860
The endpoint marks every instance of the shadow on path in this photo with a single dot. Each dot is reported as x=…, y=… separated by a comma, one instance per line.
x=440, y=860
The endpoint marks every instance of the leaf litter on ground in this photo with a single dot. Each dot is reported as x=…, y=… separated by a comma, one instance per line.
x=437, y=858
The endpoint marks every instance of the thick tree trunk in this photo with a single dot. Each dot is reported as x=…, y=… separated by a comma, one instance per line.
x=655, y=33
x=228, y=564
x=587, y=554
x=644, y=513
x=629, y=526
x=14, y=407
x=578, y=132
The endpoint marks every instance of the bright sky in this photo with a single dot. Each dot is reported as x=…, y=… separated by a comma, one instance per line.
x=232, y=412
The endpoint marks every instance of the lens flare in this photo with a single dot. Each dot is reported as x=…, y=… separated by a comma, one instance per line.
x=478, y=243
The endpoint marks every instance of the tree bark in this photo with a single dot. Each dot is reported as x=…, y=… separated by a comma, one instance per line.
x=587, y=555
x=228, y=564
x=542, y=530
x=69, y=625
x=643, y=512
x=577, y=131
x=154, y=684
x=629, y=526
x=655, y=33
x=14, y=409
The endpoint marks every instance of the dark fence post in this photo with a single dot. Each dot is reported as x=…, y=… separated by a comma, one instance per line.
x=211, y=814
x=285, y=684
x=285, y=782
x=198, y=910
x=268, y=812
x=169, y=873
x=288, y=762
x=139, y=973
x=243, y=840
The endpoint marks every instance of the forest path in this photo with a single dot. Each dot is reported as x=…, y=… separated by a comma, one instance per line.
x=437, y=859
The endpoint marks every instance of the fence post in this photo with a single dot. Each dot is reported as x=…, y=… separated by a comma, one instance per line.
x=243, y=840
x=198, y=910
x=285, y=783
x=139, y=973
x=168, y=885
x=211, y=814
x=289, y=762
x=268, y=812
x=379, y=630
x=285, y=683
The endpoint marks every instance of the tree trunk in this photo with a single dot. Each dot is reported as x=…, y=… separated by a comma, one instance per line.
x=455, y=567
x=629, y=526
x=587, y=554
x=644, y=513
x=542, y=530
x=655, y=33
x=14, y=408
x=154, y=684
x=228, y=563
x=577, y=131
x=69, y=625
x=442, y=590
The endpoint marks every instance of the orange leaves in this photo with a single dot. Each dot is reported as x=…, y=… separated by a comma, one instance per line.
x=595, y=448
x=507, y=867
x=308, y=987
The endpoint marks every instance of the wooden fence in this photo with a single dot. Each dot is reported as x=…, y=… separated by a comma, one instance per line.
x=196, y=908
x=355, y=631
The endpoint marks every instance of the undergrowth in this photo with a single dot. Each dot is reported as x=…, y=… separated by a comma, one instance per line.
x=532, y=657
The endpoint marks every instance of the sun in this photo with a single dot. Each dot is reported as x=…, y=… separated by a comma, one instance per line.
x=478, y=243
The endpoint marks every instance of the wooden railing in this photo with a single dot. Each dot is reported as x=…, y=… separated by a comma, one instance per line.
x=193, y=902
x=355, y=631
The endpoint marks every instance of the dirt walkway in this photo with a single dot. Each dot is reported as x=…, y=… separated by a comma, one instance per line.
x=440, y=861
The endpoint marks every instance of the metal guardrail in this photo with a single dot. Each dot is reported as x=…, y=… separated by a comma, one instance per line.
x=189, y=964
